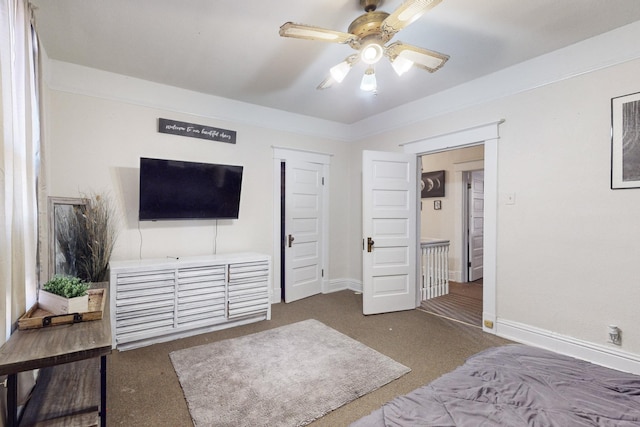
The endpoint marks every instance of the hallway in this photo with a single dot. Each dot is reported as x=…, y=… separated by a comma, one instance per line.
x=463, y=303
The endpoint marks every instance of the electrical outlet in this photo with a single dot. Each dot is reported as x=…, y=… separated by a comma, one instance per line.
x=615, y=335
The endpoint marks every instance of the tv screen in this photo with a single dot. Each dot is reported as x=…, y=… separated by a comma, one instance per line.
x=172, y=189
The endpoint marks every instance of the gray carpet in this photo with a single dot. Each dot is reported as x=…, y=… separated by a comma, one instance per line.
x=287, y=376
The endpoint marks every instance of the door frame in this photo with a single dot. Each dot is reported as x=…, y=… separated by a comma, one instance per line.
x=487, y=134
x=280, y=155
x=469, y=198
x=465, y=169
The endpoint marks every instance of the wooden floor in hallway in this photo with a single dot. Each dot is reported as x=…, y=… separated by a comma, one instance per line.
x=463, y=303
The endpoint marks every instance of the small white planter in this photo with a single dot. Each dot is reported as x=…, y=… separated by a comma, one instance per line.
x=61, y=305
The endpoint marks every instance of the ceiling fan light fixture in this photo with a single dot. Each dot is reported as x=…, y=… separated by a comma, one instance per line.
x=371, y=53
x=369, y=83
x=326, y=83
x=401, y=65
x=340, y=71
x=368, y=36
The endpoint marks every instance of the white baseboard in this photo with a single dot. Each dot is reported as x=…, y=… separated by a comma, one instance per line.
x=328, y=287
x=336, y=285
x=519, y=332
x=455, y=276
x=563, y=344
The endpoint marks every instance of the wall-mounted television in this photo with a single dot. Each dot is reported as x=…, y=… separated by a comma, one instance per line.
x=178, y=190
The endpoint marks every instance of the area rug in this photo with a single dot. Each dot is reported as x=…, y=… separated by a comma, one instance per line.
x=287, y=376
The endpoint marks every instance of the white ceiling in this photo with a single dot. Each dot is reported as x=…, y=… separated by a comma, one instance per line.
x=232, y=49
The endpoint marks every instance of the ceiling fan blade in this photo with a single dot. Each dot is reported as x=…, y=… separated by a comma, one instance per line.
x=407, y=13
x=307, y=32
x=423, y=58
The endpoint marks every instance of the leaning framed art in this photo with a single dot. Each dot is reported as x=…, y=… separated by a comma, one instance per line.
x=625, y=141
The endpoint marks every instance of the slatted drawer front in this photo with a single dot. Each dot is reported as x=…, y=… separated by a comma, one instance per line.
x=156, y=300
x=201, y=295
x=248, y=289
x=145, y=303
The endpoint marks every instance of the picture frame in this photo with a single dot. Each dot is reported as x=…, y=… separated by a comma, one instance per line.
x=625, y=141
x=437, y=205
x=432, y=184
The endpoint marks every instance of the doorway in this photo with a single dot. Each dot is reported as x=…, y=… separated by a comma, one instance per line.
x=488, y=135
x=458, y=220
x=301, y=215
x=302, y=238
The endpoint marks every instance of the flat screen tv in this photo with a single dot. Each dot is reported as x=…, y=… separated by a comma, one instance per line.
x=178, y=190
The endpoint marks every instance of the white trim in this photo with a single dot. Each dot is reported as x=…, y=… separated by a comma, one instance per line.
x=609, y=49
x=281, y=154
x=563, y=344
x=284, y=153
x=605, y=50
x=72, y=78
x=461, y=215
x=276, y=291
x=336, y=285
x=325, y=224
x=473, y=165
x=490, y=247
x=475, y=135
x=463, y=138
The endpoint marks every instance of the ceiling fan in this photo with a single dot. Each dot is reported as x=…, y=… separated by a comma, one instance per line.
x=368, y=34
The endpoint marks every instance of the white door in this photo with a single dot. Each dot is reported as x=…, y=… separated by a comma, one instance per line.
x=389, y=211
x=476, y=226
x=303, y=229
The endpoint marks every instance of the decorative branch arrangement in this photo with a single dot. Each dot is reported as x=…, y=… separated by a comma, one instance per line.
x=87, y=237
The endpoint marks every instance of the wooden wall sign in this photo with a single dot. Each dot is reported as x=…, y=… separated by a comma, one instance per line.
x=196, y=131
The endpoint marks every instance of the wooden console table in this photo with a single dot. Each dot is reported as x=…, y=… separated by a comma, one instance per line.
x=55, y=345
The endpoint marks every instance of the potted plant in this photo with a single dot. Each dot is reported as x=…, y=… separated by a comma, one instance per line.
x=64, y=294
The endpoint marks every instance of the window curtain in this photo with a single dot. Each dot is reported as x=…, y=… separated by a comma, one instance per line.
x=19, y=163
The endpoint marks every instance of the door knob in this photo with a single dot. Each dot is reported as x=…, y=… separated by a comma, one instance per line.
x=290, y=239
x=370, y=244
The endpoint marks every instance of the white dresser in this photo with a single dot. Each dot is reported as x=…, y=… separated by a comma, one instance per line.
x=158, y=300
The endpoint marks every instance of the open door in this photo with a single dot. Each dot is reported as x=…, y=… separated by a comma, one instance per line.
x=476, y=226
x=303, y=229
x=389, y=211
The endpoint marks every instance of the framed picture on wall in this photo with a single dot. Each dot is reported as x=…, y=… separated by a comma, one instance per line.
x=625, y=141
x=432, y=184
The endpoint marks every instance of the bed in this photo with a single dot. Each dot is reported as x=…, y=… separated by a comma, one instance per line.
x=518, y=385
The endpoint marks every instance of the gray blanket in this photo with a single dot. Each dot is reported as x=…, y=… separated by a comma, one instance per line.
x=517, y=385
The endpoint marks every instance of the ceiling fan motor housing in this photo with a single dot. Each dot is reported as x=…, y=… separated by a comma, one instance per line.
x=370, y=5
x=368, y=24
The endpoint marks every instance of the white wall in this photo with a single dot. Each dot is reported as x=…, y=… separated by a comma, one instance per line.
x=567, y=248
x=94, y=142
